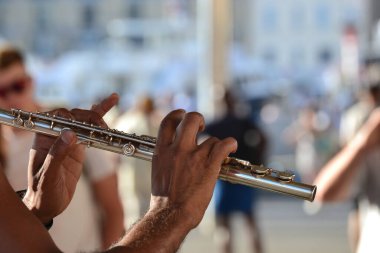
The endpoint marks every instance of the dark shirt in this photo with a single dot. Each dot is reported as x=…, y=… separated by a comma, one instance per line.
x=229, y=197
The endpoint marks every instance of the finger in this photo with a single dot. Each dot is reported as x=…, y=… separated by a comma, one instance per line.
x=42, y=143
x=208, y=144
x=168, y=128
x=58, y=153
x=62, y=112
x=90, y=117
x=188, y=129
x=103, y=107
x=40, y=148
x=222, y=149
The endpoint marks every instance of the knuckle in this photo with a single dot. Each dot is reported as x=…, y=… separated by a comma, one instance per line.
x=169, y=119
x=194, y=116
x=219, y=147
x=61, y=112
x=76, y=110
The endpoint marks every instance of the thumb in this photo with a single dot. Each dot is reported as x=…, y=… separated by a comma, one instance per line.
x=58, y=152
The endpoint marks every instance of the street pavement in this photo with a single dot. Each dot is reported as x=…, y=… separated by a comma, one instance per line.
x=285, y=226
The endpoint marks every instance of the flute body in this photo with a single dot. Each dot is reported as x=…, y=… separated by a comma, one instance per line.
x=142, y=146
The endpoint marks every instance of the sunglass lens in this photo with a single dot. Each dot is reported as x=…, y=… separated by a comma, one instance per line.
x=3, y=93
x=18, y=87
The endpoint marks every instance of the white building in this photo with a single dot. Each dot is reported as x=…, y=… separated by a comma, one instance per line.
x=297, y=32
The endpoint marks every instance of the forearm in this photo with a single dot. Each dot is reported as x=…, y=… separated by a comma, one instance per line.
x=336, y=177
x=112, y=229
x=160, y=231
x=20, y=230
x=107, y=197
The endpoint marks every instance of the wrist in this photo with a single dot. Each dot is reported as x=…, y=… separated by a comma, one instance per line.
x=30, y=202
x=182, y=219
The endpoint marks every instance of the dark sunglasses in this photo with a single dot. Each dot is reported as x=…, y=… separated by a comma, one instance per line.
x=15, y=87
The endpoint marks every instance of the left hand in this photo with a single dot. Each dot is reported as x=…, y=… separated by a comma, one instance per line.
x=184, y=173
x=55, y=164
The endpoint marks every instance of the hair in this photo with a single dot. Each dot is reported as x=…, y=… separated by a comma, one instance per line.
x=10, y=56
x=146, y=104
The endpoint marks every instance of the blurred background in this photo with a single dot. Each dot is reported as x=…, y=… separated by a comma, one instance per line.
x=294, y=67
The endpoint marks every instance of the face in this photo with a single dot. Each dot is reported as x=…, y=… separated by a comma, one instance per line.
x=16, y=88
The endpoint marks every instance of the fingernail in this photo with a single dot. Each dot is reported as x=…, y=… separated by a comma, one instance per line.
x=68, y=136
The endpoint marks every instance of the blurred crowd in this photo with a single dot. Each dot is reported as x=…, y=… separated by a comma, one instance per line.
x=105, y=205
x=297, y=118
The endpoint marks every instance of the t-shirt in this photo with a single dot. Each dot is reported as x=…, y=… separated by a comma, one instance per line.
x=367, y=181
x=252, y=147
x=77, y=229
x=138, y=123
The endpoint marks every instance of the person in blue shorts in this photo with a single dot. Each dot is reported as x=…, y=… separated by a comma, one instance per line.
x=232, y=198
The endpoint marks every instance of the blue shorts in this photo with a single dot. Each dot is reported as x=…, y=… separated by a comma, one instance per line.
x=233, y=198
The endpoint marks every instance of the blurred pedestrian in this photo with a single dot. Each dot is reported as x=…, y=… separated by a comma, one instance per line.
x=354, y=172
x=314, y=141
x=233, y=198
x=142, y=119
x=352, y=120
x=96, y=211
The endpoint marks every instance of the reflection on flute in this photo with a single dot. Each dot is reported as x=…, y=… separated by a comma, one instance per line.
x=141, y=146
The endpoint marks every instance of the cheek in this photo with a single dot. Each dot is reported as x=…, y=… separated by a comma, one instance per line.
x=21, y=100
x=4, y=104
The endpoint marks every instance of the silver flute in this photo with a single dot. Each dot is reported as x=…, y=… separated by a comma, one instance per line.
x=142, y=146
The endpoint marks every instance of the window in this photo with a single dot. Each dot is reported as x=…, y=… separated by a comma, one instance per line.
x=322, y=16
x=269, y=17
x=297, y=17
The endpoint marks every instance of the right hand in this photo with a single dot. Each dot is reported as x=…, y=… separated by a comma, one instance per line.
x=184, y=173
x=55, y=164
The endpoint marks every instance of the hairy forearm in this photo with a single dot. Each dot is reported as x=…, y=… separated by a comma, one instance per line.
x=336, y=177
x=160, y=231
x=20, y=230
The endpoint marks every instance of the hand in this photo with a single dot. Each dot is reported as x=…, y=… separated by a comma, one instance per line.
x=184, y=173
x=55, y=164
x=369, y=134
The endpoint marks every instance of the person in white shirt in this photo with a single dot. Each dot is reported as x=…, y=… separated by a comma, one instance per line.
x=96, y=205
x=143, y=119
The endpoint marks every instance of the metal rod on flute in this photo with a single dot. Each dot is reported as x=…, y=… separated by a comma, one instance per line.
x=142, y=146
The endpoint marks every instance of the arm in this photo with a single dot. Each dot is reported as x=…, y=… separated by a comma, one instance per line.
x=337, y=176
x=20, y=230
x=183, y=178
x=107, y=197
x=160, y=230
